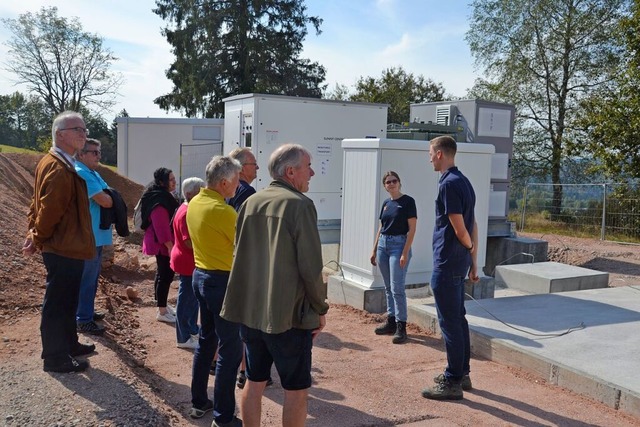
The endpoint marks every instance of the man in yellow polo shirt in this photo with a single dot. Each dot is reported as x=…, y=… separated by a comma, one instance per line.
x=212, y=225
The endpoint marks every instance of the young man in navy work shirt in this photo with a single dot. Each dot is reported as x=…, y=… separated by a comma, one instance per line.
x=455, y=238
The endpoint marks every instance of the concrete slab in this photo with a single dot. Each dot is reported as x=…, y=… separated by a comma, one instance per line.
x=513, y=250
x=549, y=277
x=586, y=341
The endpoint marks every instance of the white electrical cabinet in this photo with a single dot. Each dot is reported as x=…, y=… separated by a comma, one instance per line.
x=264, y=122
x=365, y=161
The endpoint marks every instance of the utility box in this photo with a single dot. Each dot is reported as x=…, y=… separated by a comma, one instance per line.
x=264, y=122
x=183, y=145
x=365, y=161
x=481, y=122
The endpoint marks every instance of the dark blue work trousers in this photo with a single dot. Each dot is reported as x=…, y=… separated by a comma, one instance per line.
x=448, y=290
x=215, y=332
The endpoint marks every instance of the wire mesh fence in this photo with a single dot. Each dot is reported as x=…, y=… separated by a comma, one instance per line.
x=194, y=159
x=605, y=211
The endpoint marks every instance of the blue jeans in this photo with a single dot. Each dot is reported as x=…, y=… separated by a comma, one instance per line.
x=88, y=287
x=215, y=332
x=186, y=310
x=448, y=290
x=388, y=260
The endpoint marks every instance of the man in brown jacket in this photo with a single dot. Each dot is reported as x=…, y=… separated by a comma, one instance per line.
x=60, y=227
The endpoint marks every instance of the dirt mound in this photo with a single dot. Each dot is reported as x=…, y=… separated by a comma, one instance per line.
x=22, y=279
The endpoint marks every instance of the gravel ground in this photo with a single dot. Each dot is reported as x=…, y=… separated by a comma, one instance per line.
x=139, y=378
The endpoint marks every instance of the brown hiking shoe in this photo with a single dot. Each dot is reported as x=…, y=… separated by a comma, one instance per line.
x=446, y=390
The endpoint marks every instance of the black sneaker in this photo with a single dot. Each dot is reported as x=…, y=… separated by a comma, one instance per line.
x=91, y=328
x=68, y=365
x=98, y=315
x=446, y=390
x=83, y=349
x=465, y=383
x=201, y=412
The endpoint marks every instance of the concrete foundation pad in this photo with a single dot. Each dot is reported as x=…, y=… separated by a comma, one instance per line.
x=549, y=277
x=341, y=291
x=513, y=250
x=597, y=358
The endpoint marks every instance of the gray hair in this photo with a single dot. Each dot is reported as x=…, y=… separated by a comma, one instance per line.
x=61, y=120
x=287, y=155
x=189, y=185
x=91, y=141
x=221, y=167
x=241, y=154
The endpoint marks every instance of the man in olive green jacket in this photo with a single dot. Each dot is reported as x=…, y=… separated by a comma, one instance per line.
x=275, y=289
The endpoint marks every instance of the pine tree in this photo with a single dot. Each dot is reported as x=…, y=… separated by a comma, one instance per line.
x=230, y=47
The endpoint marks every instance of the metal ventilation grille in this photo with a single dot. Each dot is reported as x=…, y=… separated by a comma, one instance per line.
x=443, y=115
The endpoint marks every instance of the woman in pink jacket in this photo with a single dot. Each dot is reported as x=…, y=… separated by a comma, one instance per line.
x=158, y=206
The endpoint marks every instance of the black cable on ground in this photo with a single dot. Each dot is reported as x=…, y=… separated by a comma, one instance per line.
x=571, y=329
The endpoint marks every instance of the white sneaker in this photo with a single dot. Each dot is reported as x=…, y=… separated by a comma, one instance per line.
x=171, y=309
x=167, y=317
x=191, y=343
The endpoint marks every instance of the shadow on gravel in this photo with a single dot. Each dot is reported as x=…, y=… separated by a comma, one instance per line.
x=329, y=341
x=108, y=393
x=511, y=418
x=613, y=266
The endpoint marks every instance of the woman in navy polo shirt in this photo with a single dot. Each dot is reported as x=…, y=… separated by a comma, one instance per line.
x=392, y=253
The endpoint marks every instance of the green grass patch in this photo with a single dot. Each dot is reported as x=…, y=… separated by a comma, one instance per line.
x=540, y=223
x=12, y=149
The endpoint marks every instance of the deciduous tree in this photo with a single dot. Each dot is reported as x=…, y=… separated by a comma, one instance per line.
x=61, y=63
x=231, y=47
x=544, y=56
x=399, y=89
x=24, y=121
x=612, y=115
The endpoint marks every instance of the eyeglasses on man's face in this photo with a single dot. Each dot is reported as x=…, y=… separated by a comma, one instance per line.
x=94, y=152
x=78, y=129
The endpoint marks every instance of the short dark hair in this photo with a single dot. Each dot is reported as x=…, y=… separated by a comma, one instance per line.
x=445, y=143
x=161, y=177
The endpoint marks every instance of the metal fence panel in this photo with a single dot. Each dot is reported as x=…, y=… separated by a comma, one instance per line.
x=604, y=211
x=194, y=159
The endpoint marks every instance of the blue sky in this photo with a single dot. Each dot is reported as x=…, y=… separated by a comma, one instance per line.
x=359, y=38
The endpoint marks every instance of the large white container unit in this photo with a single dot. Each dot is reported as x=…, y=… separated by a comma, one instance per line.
x=365, y=160
x=145, y=144
x=481, y=122
x=264, y=122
